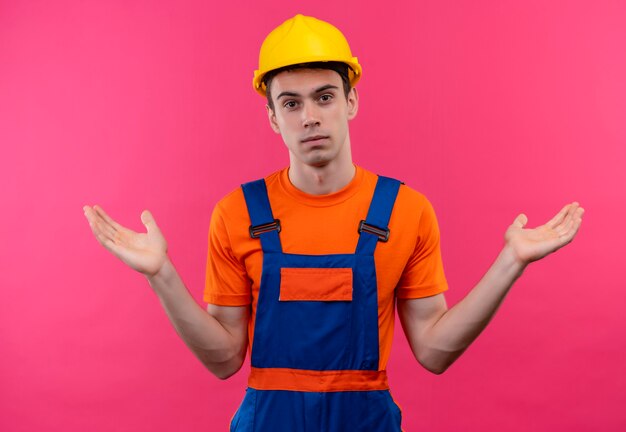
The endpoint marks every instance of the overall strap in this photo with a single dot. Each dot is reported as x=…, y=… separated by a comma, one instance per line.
x=375, y=226
x=263, y=225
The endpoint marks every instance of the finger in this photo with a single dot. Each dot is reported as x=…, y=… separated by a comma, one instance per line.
x=114, y=230
x=103, y=226
x=112, y=246
x=92, y=218
x=577, y=218
x=99, y=228
x=92, y=225
x=107, y=229
x=107, y=218
x=520, y=221
x=148, y=220
x=90, y=214
x=567, y=220
x=564, y=227
x=556, y=220
x=108, y=238
x=100, y=235
x=569, y=235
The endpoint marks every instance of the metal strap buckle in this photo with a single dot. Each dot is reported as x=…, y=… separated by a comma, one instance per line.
x=257, y=230
x=382, y=234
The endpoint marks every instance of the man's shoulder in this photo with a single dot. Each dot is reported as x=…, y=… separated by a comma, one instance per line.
x=413, y=195
x=234, y=200
x=406, y=194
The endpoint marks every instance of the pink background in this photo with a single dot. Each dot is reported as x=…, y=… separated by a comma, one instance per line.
x=489, y=108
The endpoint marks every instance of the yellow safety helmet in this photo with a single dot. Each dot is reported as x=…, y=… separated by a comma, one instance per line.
x=304, y=39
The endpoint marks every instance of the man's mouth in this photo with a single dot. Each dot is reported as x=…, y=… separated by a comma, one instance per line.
x=314, y=138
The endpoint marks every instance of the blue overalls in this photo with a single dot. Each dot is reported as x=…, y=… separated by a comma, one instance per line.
x=315, y=354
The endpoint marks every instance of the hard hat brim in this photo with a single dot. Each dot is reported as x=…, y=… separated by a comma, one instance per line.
x=354, y=71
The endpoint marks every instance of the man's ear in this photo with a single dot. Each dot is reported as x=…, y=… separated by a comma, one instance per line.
x=353, y=103
x=272, y=118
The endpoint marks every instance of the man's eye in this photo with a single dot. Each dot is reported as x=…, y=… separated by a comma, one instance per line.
x=290, y=104
x=326, y=97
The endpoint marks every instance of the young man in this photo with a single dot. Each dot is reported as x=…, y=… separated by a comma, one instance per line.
x=305, y=266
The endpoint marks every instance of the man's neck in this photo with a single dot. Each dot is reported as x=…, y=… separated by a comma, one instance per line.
x=322, y=180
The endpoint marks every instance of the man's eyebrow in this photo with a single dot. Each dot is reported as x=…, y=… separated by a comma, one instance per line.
x=326, y=87
x=286, y=93
x=317, y=90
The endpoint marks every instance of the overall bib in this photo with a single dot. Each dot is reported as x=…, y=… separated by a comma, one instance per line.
x=315, y=351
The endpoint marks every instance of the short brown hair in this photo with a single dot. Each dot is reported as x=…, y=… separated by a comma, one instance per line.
x=339, y=67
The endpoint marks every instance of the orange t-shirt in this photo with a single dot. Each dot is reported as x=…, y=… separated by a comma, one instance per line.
x=407, y=266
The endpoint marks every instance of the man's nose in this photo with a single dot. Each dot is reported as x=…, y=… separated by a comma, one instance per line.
x=310, y=115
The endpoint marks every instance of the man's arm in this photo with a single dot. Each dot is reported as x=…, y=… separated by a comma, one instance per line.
x=438, y=335
x=218, y=336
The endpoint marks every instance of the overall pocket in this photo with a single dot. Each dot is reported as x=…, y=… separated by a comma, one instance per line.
x=315, y=284
x=243, y=420
x=383, y=412
x=315, y=311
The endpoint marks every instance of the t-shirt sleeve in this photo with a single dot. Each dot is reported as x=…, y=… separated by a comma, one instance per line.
x=227, y=283
x=423, y=275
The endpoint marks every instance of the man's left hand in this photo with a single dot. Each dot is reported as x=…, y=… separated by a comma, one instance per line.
x=530, y=245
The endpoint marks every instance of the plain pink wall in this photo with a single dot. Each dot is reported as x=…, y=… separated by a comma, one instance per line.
x=489, y=108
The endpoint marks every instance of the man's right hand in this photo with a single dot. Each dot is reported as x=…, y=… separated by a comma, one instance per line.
x=144, y=252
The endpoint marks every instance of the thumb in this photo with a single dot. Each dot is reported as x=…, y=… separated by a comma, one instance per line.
x=520, y=221
x=148, y=220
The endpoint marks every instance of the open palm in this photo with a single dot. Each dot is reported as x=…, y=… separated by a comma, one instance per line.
x=533, y=244
x=144, y=252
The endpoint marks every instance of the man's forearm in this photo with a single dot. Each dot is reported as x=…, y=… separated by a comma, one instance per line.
x=209, y=340
x=459, y=326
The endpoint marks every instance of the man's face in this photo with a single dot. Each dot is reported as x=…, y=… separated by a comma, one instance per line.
x=311, y=112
